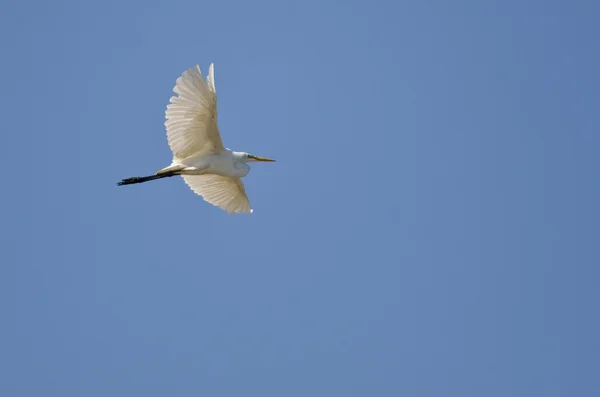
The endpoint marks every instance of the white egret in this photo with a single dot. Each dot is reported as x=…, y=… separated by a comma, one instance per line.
x=209, y=169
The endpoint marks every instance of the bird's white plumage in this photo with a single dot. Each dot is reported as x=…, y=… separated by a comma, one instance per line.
x=210, y=79
x=208, y=168
x=192, y=128
x=194, y=138
x=224, y=192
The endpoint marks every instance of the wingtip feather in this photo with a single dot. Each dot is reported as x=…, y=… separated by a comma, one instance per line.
x=211, y=78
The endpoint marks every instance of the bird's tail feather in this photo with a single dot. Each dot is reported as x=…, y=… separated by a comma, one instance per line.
x=140, y=179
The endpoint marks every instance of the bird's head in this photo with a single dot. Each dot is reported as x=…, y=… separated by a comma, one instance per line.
x=248, y=158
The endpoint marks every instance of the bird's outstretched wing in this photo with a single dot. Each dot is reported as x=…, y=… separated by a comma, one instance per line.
x=225, y=192
x=192, y=115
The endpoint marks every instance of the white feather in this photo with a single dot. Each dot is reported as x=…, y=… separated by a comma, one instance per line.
x=224, y=192
x=192, y=128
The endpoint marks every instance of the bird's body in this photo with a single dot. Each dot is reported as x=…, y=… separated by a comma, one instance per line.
x=208, y=168
x=225, y=163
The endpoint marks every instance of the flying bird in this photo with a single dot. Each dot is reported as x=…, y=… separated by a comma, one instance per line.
x=209, y=169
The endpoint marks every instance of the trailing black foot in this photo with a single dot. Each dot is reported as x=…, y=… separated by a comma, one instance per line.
x=140, y=179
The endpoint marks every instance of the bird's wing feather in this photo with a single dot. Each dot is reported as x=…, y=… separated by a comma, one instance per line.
x=210, y=79
x=224, y=192
x=192, y=128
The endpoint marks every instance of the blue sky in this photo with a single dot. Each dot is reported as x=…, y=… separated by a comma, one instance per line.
x=430, y=228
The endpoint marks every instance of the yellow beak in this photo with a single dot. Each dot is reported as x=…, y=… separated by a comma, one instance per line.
x=261, y=158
